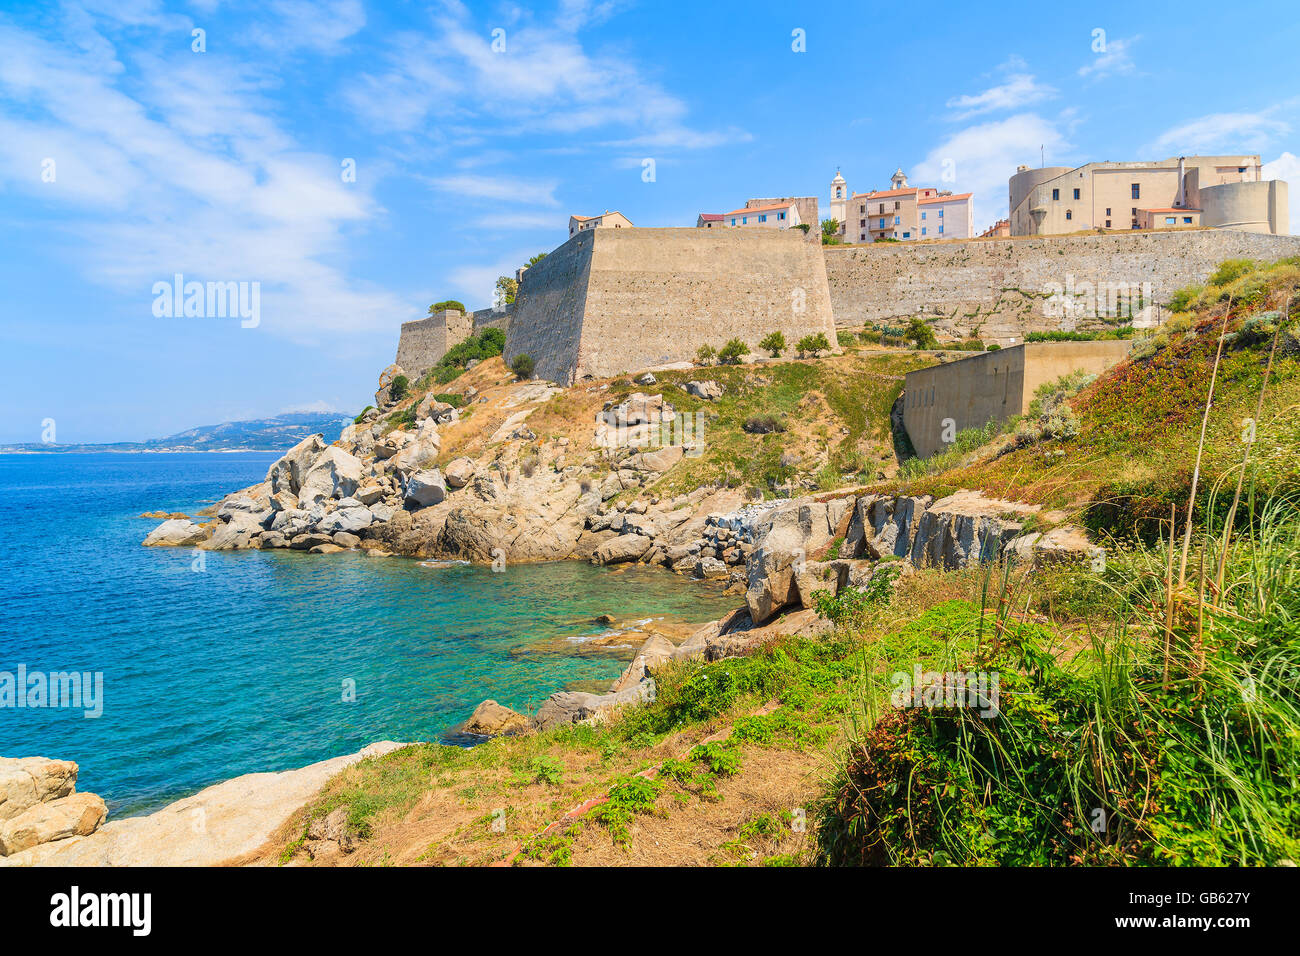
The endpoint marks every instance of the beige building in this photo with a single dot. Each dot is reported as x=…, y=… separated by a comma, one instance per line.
x=615, y=220
x=999, y=229
x=778, y=214
x=1221, y=192
x=709, y=220
x=902, y=212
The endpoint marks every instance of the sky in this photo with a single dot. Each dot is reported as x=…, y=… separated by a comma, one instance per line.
x=354, y=161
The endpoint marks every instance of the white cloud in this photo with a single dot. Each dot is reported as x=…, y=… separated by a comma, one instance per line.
x=983, y=157
x=168, y=168
x=1230, y=131
x=1287, y=167
x=543, y=80
x=503, y=187
x=1019, y=90
x=318, y=26
x=1115, y=60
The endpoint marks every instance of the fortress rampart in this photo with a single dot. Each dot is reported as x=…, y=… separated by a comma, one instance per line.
x=1000, y=289
x=615, y=300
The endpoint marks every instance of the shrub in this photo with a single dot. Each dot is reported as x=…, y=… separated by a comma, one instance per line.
x=1230, y=270
x=522, y=365
x=993, y=348
x=357, y=420
x=774, y=342
x=705, y=355
x=919, y=334
x=763, y=425
x=870, y=335
x=446, y=304
x=813, y=344
x=399, y=388
x=844, y=338
x=730, y=353
x=1185, y=298
x=492, y=342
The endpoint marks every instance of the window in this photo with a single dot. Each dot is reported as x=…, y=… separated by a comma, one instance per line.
x=1107, y=223
x=940, y=213
x=862, y=208
x=1135, y=210
x=1056, y=194
x=1069, y=214
x=1187, y=220
x=780, y=215
x=1137, y=190
x=922, y=216
x=1076, y=194
x=1108, y=210
x=1241, y=169
x=882, y=208
x=895, y=220
x=898, y=205
x=863, y=236
x=763, y=218
x=839, y=192
x=862, y=224
x=907, y=235
x=744, y=219
x=1171, y=220
x=882, y=224
x=923, y=230
x=941, y=230
x=733, y=220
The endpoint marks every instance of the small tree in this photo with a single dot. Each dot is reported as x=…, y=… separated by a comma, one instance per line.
x=399, y=387
x=522, y=366
x=813, y=344
x=830, y=232
x=730, y=353
x=919, y=334
x=507, y=289
x=774, y=343
x=492, y=342
x=445, y=305
x=705, y=355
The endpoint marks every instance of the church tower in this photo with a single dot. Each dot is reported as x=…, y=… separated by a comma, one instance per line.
x=839, y=199
x=899, y=179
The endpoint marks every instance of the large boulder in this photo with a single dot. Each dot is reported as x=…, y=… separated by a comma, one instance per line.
x=233, y=535
x=346, y=519
x=288, y=471
x=77, y=814
x=784, y=539
x=175, y=532
x=491, y=719
x=655, y=652
x=626, y=547
x=420, y=451
x=424, y=488
x=571, y=707
x=710, y=391
x=659, y=460
x=334, y=474
x=27, y=781
x=459, y=472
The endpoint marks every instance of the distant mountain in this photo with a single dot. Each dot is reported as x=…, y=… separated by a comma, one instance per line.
x=263, y=434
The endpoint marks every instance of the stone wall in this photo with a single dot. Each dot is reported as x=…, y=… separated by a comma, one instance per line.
x=993, y=386
x=424, y=341
x=1002, y=288
x=610, y=301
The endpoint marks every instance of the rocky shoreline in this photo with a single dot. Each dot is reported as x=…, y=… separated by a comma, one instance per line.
x=518, y=498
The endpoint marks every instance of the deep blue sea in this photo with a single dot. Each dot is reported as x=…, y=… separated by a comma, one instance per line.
x=241, y=666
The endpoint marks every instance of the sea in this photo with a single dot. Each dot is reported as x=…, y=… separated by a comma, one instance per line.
x=214, y=664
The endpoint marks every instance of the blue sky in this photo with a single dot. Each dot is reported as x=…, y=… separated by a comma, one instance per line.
x=226, y=164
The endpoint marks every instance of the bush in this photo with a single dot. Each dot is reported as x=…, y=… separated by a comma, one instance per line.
x=522, y=366
x=731, y=352
x=763, y=425
x=844, y=338
x=705, y=355
x=357, y=420
x=492, y=342
x=774, y=342
x=1230, y=270
x=446, y=304
x=813, y=344
x=870, y=335
x=399, y=388
x=1184, y=299
x=920, y=335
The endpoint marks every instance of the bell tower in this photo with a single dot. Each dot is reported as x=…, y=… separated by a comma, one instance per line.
x=839, y=199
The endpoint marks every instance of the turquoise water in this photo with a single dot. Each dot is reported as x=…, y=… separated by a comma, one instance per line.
x=242, y=666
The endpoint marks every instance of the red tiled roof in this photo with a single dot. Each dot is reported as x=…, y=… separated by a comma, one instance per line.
x=746, y=212
x=886, y=194
x=711, y=216
x=945, y=198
